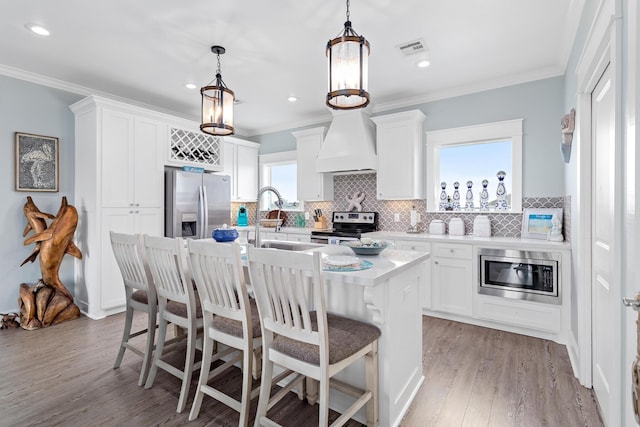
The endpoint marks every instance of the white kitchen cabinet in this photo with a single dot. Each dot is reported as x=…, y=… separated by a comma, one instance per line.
x=295, y=237
x=400, y=174
x=118, y=186
x=189, y=146
x=425, y=288
x=241, y=164
x=452, y=278
x=122, y=220
x=130, y=149
x=311, y=184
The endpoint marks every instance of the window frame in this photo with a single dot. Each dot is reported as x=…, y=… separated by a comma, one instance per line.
x=510, y=130
x=266, y=161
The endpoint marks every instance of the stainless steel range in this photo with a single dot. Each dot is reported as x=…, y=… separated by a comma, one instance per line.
x=346, y=226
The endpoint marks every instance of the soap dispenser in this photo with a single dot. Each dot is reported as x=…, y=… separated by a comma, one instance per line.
x=243, y=219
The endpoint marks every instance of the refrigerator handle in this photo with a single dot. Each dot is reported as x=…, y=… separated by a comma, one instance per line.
x=205, y=212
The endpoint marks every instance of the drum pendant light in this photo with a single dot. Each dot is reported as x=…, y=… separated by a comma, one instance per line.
x=348, y=60
x=217, y=103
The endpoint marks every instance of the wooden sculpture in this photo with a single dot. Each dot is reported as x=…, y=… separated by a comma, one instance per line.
x=48, y=302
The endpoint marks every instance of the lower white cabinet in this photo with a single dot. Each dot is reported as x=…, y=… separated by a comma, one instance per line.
x=295, y=237
x=291, y=237
x=452, y=278
x=425, y=288
x=532, y=315
x=122, y=220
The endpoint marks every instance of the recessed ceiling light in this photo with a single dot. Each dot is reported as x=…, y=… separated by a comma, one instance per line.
x=37, y=29
x=292, y=99
x=424, y=63
x=190, y=86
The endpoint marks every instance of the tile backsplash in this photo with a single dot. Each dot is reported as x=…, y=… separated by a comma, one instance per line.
x=502, y=224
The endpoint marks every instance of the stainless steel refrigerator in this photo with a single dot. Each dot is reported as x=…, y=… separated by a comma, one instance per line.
x=195, y=203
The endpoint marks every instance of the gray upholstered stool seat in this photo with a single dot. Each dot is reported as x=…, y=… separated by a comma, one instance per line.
x=346, y=337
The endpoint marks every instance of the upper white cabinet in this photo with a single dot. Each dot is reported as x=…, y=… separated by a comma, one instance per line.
x=240, y=162
x=311, y=184
x=130, y=147
x=400, y=173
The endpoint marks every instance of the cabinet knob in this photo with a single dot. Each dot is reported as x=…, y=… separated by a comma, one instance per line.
x=137, y=212
x=130, y=212
x=451, y=250
x=435, y=262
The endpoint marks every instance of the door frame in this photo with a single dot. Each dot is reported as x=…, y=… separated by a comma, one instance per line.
x=602, y=49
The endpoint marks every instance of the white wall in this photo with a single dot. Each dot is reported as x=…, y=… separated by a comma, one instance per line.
x=30, y=108
x=539, y=103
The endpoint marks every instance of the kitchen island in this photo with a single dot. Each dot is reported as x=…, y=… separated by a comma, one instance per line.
x=387, y=295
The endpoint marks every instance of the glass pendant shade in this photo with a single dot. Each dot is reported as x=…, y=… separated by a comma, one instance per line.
x=348, y=61
x=217, y=104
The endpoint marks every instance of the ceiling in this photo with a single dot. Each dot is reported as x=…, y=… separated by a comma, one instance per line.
x=145, y=51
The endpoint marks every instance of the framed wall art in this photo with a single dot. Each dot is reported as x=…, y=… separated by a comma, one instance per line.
x=36, y=162
x=541, y=223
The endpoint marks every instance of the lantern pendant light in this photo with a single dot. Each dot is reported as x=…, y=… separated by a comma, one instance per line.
x=348, y=60
x=217, y=104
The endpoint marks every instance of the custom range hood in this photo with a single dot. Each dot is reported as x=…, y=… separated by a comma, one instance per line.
x=349, y=145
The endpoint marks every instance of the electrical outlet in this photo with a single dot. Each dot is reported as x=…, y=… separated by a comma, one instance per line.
x=396, y=217
x=307, y=216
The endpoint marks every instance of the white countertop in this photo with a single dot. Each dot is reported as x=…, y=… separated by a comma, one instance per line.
x=515, y=242
x=385, y=265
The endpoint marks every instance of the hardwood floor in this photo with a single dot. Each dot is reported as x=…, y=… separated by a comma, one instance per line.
x=63, y=376
x=476, y=376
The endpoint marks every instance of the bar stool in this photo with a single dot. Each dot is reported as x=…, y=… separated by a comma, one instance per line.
x=178, y=304
x=230, y=318
x=140, y=294
x=299, y=334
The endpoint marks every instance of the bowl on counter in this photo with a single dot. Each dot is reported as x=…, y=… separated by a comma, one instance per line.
x=225, y=234
x=366, y=246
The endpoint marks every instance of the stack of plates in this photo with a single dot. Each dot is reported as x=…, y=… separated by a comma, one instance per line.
x=342, y=261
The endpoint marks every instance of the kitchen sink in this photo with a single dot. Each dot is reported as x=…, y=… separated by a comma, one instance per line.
x=286, y=245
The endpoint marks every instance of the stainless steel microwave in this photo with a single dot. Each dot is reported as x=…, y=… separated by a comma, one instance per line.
x=525, y=275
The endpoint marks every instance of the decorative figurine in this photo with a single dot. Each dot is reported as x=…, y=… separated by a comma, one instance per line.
x=468, y=206
x=443, y=197
x=484, y=196
x=568, y=125
x=501, y=193
x=555, y=233
x=456, y=196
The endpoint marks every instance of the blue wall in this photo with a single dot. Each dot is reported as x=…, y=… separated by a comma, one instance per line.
x=539, y=103
x=30, y=108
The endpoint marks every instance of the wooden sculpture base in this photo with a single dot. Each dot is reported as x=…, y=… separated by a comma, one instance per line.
x=42, y=306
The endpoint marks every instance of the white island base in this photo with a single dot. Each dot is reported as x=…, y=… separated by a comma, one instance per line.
x=387, y=295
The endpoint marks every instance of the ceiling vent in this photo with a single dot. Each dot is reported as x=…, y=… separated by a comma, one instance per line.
x=413, y=47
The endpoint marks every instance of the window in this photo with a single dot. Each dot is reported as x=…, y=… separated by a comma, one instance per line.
x=475, y=153
x=279, y=170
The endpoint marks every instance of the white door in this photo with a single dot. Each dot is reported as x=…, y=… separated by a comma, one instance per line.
x=606, y=310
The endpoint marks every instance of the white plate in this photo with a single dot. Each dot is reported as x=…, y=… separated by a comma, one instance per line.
x=341, y=260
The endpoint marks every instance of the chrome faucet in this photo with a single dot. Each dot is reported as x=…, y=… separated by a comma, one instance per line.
x=279, y=203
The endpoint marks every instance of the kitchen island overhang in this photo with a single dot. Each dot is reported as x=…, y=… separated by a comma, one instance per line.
x=388, y=296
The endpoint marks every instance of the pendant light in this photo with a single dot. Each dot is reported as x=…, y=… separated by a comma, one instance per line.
x=348, y=56
x=217, y=103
